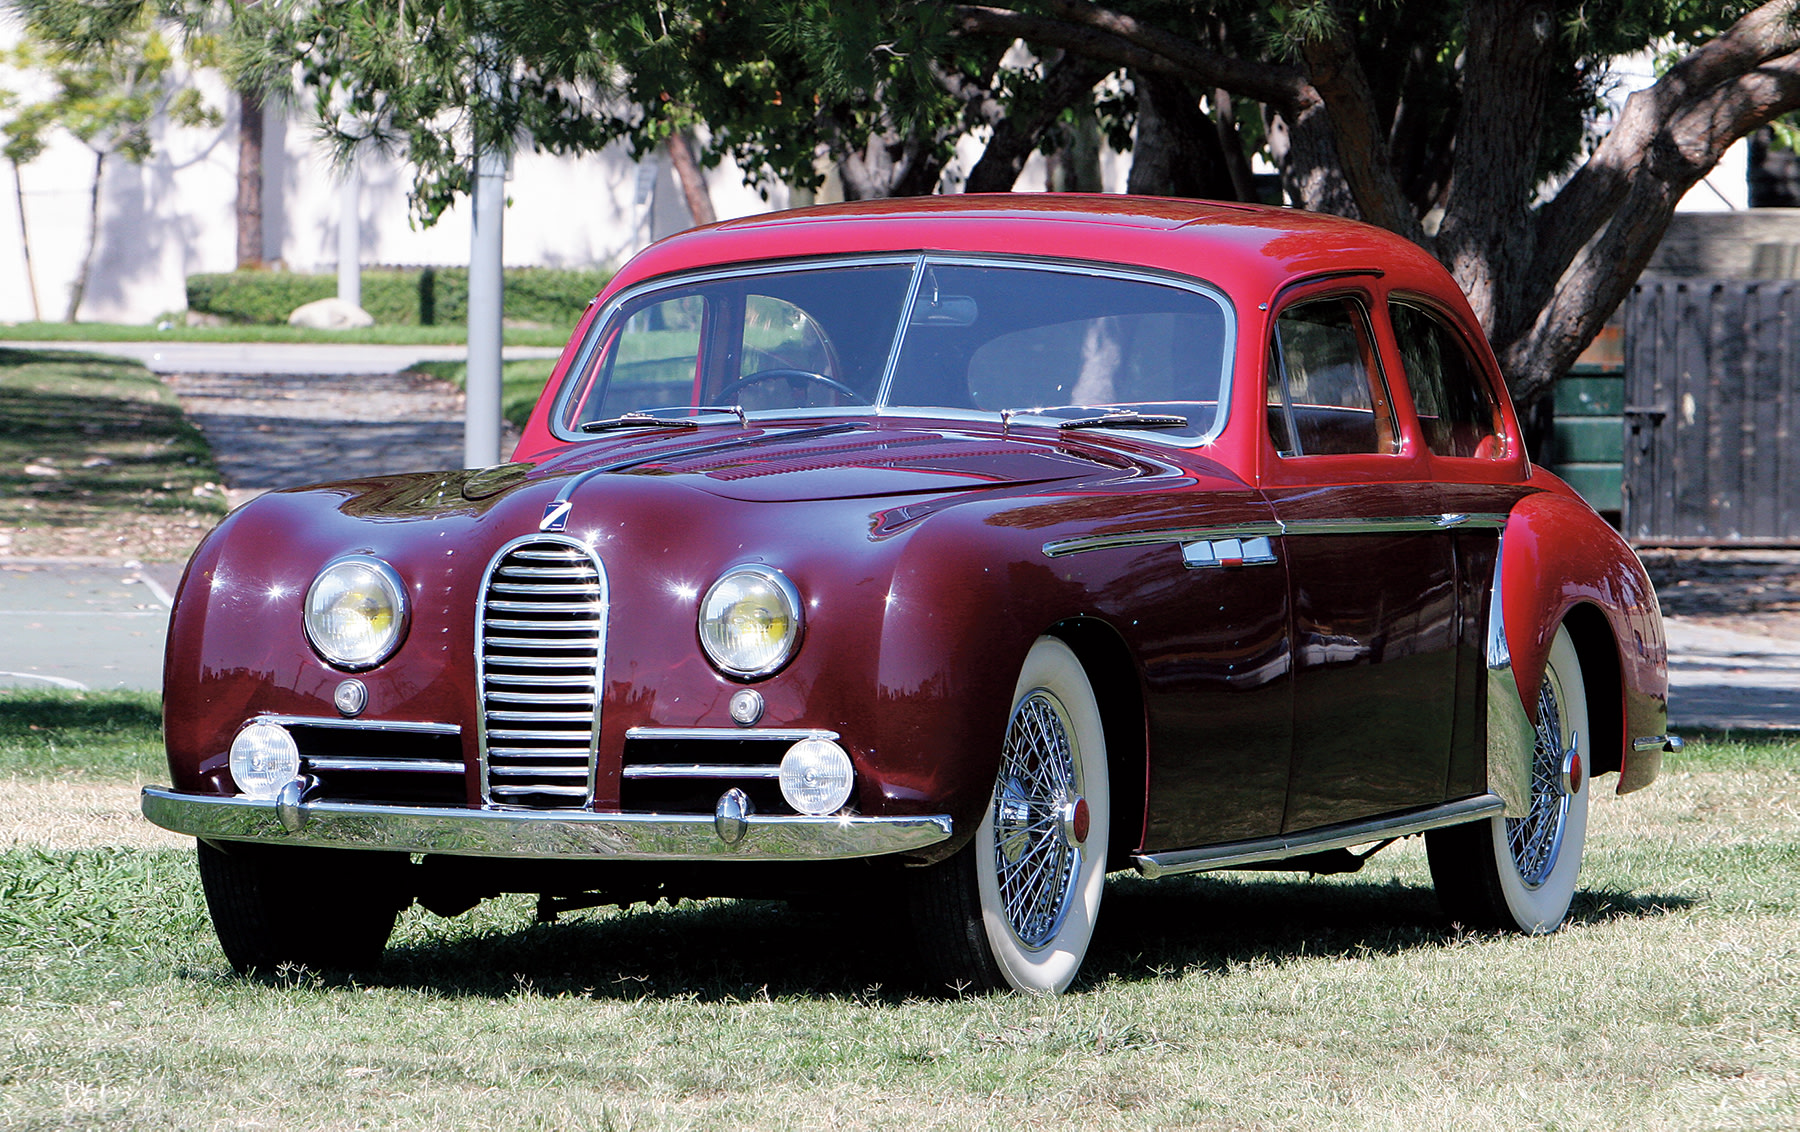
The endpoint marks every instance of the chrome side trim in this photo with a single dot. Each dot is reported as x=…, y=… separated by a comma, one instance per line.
x=1511, y=739
x=700, y=770
x=540, y=834
x=408, y=726
x=1179, y=861
x=1152, y=538
x=1397, y=524
x=383, y=766
x=771, y=734
x=1394, y=524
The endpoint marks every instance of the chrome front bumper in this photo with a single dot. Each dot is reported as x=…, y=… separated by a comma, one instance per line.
x=572, y=835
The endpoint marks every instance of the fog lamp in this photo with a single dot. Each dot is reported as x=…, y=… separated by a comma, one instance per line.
x=264, y=758
x=816, y=776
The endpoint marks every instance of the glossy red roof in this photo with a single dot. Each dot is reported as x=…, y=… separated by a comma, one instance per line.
x=1249, y=250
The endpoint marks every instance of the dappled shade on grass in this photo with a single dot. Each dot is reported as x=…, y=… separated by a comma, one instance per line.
x=97, y=459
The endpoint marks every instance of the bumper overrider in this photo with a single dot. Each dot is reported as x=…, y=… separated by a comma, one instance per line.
x=536, y=834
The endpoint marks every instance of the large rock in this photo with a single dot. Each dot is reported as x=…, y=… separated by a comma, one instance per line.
x=330, y=314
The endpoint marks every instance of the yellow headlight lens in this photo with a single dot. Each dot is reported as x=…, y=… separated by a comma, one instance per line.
x=356, y=612
x=750, y=621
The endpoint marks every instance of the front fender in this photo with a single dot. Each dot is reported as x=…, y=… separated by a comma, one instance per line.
x=1559, y=562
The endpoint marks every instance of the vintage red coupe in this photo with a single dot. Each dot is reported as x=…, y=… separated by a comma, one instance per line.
x=962, y=549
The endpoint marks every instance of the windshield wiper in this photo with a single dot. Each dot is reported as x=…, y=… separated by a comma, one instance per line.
x=1126, y=418
x=647, y=418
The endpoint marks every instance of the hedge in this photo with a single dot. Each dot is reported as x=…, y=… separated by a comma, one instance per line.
x=404, y=296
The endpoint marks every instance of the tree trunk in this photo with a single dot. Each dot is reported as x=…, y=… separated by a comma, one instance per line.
x=1177, y=151
x=37, y=313
x=693, y=182
x=87, y=258
x=250, y=179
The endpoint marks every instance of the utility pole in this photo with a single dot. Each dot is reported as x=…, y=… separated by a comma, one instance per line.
x=481, y=428
x=349, y=252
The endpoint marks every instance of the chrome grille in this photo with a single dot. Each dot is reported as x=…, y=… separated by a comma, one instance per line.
x=539, y=647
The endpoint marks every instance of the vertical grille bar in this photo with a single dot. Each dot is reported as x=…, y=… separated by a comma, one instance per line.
x=539, y=643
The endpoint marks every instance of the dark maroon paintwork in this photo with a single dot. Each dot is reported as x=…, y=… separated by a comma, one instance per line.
x=1343, y=682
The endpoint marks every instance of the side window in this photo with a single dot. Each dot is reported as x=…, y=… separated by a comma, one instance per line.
x=1327, y=395
x=1456, y=412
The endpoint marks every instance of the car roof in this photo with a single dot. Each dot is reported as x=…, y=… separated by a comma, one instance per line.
x=1248, y=250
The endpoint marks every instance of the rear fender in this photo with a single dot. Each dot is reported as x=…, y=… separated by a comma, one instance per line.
x=1559, y=562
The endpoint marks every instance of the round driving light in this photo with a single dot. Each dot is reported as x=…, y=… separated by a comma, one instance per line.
x=356, y=611
x=816, y=776
x=264, y=758
x=750, y=621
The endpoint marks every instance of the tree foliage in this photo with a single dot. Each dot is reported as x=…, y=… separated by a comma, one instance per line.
x=1478, y=128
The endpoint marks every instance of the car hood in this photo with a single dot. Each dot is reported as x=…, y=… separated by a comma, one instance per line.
x=831, y=461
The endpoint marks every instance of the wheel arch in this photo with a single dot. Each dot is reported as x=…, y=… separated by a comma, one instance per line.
x=1113, y=675
x=1598, y=650
x=1560, y=563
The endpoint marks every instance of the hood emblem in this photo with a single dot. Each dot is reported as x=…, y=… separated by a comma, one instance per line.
x=556, y=515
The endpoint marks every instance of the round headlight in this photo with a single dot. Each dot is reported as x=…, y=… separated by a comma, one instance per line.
x=356, y=611
x=750, y=621
x=816, y=776
x=264, y=758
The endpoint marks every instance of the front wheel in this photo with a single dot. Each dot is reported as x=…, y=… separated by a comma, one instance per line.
x=275, y=906
x=1519, y=873
x=1017, y=905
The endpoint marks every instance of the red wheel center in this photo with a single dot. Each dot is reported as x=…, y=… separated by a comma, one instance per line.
x=1078, y=823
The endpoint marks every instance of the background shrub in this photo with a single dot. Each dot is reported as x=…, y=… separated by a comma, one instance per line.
x=398, y=296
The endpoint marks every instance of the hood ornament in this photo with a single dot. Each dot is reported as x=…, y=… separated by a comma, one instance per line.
x=556, y=515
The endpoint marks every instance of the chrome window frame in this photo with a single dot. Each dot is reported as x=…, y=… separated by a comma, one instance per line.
x=919, y=262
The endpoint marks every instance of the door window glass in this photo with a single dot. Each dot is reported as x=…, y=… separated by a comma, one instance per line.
x=1326, y=392
x=1457, y=414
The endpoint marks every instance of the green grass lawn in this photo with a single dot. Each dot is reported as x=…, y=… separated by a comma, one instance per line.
x=376, y=335
x=1223, y=1001
x=97, y=459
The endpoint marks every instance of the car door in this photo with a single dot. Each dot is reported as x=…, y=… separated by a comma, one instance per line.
x=1372, y=571
x=1478, y=464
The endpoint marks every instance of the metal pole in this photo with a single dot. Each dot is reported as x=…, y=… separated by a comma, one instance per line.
x=481, y=429
x=349, y=258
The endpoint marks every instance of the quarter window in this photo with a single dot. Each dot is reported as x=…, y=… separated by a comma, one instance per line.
x=1326, y=392
x=1457, y=414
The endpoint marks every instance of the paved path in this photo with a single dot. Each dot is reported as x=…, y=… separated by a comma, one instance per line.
x=70, y=624
x=276, y=357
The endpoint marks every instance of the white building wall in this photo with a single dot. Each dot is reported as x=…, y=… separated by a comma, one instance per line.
x=175, y=215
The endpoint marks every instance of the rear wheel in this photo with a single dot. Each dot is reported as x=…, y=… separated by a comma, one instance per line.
x=1519, y=873
x=275, y=905
x=1017, y=905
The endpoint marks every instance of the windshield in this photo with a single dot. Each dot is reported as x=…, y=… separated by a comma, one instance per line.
x=1082, y=347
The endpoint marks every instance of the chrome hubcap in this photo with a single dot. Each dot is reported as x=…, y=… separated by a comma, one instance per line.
x=1536, y=838
x=1038, y=811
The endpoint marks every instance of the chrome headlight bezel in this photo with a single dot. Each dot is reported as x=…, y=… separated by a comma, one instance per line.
x=714, y=604
x=386, y=583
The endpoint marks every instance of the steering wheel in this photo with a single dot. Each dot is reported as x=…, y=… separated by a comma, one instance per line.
x=731, y=388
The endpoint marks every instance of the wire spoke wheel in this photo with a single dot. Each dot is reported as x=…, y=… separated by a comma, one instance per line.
x=1033, y=861
x=1519, y=873
x=1017, y=905
x=1536, y=838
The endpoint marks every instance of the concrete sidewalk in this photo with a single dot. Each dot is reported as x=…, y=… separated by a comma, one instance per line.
x=1720, y=678
x=77, y=624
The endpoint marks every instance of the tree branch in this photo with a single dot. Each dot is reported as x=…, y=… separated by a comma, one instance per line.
x=1686, y=146
x=1110, y=37
x=1570, y=220
x=1361, y=142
